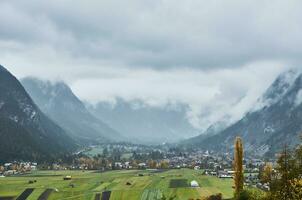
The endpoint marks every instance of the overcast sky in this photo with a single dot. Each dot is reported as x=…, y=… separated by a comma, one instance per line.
x=216, y=56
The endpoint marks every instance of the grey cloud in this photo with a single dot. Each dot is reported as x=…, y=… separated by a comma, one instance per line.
x=161, y=34
x=216, y=56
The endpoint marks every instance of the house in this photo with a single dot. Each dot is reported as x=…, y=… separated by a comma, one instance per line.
x=142, y=165
x=264, y=187
x=213, y=173
x=252, y=178
x=196, y=168
x=8, y=164
x=118, y=165
x=226, y=174
x=10, y=172
x=33, y=167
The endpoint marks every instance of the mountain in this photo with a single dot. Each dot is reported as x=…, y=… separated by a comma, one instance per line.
x=59, y=102
x=25, y=132
x=275, y=121
x=146, y=124
x=212, y=130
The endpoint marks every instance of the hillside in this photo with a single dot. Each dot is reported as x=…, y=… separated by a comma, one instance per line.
x=25, y=132
x=59, y=102
x=275, y=121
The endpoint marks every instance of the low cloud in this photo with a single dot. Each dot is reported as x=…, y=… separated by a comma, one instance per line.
x=216, y=56
x=159, y=34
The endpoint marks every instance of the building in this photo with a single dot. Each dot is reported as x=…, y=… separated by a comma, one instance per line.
x=196, y=168
x=226, y=174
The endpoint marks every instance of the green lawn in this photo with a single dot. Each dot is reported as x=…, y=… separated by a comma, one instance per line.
x=123, y=184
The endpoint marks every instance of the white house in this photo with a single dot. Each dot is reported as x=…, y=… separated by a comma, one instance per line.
x=196, y=168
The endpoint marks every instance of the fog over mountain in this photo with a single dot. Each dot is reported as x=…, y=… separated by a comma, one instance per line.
x=146, y=124
x=204, y=54
x=151, y=99
x=274, y=121
x=216, y=57
x=61, y=105
x=135, y=120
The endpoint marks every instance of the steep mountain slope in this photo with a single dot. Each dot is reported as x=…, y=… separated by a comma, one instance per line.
x=212, y=130
x=275, y=121
x=59, y=102
x=144, y=123
x=25, y=132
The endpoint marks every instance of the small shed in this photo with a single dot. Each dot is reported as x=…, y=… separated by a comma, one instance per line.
x=67, y=178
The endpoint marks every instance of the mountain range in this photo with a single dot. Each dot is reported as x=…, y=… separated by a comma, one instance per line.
x=42, y=120
x=144, y=123
x=275, y=121
x=57, y=101
x=25, y=131
x=128, y=121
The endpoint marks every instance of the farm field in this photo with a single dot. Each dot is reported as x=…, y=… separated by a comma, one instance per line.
x=127, y=185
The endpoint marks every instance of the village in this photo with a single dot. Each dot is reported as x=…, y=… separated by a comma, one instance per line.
x=110, y=157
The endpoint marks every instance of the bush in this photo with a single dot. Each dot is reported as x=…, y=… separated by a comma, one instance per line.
x=215, y=197
x=251, y=194
x=244, y=195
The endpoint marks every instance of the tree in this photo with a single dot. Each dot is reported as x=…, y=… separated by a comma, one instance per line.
x=296, y=188
x=164, y=164
x=1, y=168
x=284, y=168
x=238, y=166
x=287, y=185
x=267, y=172
x=152, y=164
x=116, y=155
x=214, y=197
x=104, y=163
x=166, y=198
x=105, y=152
x=298, y=155
x=251, y=194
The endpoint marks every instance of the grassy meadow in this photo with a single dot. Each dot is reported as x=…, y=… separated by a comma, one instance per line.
x=127, y=185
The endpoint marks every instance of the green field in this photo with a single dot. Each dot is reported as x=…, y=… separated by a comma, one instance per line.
x=127, y=185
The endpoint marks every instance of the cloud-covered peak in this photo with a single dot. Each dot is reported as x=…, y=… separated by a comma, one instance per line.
x=217, y=57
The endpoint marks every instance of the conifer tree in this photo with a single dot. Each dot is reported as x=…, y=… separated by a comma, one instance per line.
x=287, y=184
x=238, y=166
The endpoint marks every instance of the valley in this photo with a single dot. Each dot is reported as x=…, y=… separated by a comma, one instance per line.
x=58, y=147
x=150, y=100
